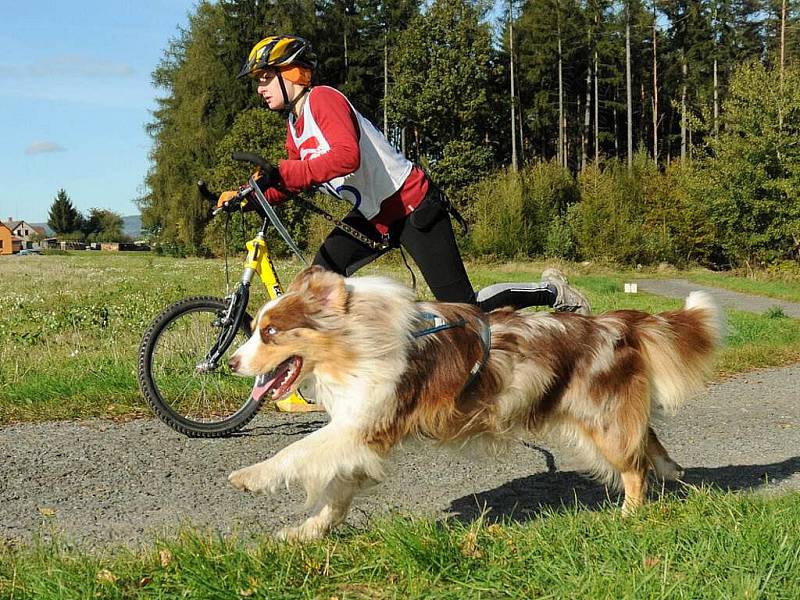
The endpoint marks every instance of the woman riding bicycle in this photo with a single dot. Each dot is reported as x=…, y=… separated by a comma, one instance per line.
x=333, y=148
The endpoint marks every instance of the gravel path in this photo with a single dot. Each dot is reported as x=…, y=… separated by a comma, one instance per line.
x=102, y=483
x=99, y=483
x=680, y=288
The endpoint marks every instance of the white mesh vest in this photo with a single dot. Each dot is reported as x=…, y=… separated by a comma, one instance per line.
x=382, y=172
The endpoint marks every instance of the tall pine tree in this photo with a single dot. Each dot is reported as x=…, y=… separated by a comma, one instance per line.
x=443, y=75
x=63, y=217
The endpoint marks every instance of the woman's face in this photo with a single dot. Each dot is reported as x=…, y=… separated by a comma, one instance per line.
x=270, y=90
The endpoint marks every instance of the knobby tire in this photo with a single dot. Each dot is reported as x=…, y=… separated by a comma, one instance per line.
x=148, y=383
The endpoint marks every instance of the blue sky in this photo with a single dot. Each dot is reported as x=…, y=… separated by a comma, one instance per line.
x=75, y=95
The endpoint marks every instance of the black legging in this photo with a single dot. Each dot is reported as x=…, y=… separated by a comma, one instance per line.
x=434, y=250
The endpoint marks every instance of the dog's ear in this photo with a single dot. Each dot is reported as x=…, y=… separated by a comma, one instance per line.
x=301, y=281
x=323, y=286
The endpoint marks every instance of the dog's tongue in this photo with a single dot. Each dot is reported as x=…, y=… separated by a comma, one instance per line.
x=279, y=381
x=265, y=382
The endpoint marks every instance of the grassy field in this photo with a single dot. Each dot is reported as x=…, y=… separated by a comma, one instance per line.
x=706, y=545
x=71, y=325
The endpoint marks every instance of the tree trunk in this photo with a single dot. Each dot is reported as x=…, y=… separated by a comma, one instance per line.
x=715, y=33
x=513, y=97
x=716, y=99
x=783, y=56
x=596, y=114
x=345, y=43
x=643, y=118
x=521, y=136
x=655, y=87
x=616, y=124
x=385, y=84
x=562, y=159
x=628, y=81
x=684, y=70
x=587, y=122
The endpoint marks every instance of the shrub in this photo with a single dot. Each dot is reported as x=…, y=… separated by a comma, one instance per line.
x=607, y=223
x=560, y=242
x=753, y=169
x=676, y=227
x=511, y=213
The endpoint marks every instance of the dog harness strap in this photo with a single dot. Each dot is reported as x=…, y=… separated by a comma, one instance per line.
x=439, y=324
x=486, y=342
x=485, y=337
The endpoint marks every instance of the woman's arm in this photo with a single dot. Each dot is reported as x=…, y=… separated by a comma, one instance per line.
x=338, y=124
x=277, y=195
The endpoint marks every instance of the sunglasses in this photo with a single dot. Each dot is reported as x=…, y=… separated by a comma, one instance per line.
x=264, y=77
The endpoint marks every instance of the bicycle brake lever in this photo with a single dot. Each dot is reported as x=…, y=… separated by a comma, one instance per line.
x=231, y=204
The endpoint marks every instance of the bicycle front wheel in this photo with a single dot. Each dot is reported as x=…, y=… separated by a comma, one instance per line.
x=175, y=379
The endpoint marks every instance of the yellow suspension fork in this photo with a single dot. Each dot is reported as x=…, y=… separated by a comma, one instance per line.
x=259, y=261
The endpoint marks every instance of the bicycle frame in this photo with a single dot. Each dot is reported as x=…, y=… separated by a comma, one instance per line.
x=257, y=262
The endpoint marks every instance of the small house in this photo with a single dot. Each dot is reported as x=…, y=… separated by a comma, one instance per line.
x=9, y=243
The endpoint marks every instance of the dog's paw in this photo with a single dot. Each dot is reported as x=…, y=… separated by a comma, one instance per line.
x=257, y=478
x=666, y=469
x=302, y=533
x=675, y=474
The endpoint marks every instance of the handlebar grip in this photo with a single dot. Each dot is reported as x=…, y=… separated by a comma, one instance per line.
x=257, y=160
x=205, y=192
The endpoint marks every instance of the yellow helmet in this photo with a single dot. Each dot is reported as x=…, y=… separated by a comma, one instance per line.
x=279, y=51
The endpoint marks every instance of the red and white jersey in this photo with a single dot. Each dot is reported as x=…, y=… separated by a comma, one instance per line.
x=382, y=170
x=341, y=130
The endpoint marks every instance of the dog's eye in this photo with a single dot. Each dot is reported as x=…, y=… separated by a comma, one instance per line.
x=268, y=334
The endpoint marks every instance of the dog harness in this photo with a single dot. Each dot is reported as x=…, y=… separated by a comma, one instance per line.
x=438, y=324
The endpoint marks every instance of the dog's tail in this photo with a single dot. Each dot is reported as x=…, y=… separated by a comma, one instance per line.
x=680, y=347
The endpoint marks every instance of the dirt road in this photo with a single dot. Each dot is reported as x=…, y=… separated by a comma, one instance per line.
x=102, y=483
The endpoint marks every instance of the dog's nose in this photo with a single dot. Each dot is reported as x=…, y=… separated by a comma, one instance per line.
x=233, y=363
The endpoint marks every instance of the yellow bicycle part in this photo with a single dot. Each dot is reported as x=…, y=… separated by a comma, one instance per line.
x=260, y=261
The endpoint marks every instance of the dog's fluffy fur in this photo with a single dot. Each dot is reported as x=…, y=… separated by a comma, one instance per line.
x=598, y=379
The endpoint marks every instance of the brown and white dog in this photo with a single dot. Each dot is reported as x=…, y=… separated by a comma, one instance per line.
x=598, y=379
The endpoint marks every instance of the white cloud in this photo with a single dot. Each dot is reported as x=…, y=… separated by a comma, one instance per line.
x=43, y=147
x=69, y=66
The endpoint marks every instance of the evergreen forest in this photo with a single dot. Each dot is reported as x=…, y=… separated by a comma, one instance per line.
x=636, y=131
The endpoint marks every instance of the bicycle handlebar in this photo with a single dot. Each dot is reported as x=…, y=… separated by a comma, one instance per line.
x=265, y=167
x=253, y=190
x=257, y=160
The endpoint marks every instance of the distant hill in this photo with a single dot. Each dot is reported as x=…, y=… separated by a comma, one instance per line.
x=131, y=226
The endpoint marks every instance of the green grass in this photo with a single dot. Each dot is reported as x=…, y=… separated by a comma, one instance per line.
x=72, y=324
x=707, y=545
x=71, y=328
